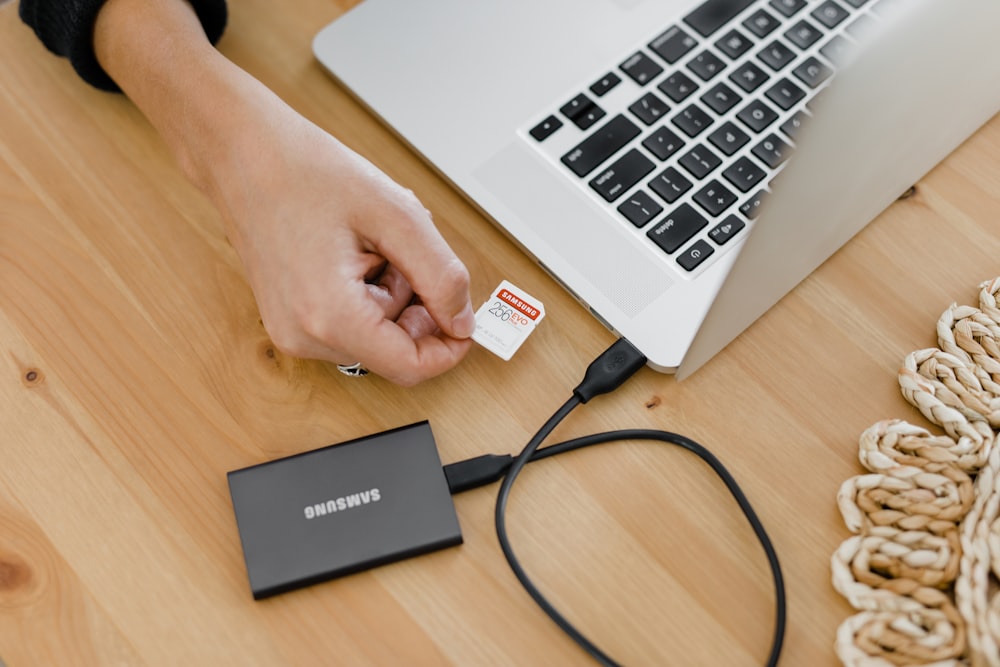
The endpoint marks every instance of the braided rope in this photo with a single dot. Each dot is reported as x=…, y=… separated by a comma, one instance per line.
x=923, y=564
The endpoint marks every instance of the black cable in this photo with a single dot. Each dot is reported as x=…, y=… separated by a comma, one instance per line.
x=611, y=369
x=705, y=455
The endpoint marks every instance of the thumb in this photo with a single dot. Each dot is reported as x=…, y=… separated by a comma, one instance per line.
x=442, y=285
x=438, y=277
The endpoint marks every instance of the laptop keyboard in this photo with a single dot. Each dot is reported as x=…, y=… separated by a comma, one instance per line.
x=681, y=139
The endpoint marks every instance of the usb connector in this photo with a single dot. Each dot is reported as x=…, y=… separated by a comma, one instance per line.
x=605, y=374
x=476, y=472
x=610, y=370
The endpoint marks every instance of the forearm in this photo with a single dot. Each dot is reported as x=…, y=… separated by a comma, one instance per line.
x=66, y=28
x=202, y=104
x=346, y=265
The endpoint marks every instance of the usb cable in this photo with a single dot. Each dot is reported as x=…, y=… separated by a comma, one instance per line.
x=605, y=374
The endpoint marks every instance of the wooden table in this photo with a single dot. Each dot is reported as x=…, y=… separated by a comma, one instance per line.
x=134, y=373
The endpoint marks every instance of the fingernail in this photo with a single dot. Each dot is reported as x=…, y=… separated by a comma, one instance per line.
x=464, y=323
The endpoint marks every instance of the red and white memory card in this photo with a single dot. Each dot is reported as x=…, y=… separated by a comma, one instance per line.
x=504, y=321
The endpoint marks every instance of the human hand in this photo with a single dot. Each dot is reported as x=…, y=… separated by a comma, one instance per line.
x=346, y=265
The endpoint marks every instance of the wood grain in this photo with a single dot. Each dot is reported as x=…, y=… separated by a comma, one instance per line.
x=134, y=373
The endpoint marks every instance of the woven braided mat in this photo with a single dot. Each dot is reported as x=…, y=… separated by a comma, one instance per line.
x=923, y=563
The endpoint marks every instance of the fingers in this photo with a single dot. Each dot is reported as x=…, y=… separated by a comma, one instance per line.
x=391, y=291
x=405, y=352
x=353, y=269
x=413, y=348
x=412, y=244
x=377, y=325
x=406, y=346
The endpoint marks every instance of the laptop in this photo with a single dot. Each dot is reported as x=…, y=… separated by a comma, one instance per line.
x=677, y=166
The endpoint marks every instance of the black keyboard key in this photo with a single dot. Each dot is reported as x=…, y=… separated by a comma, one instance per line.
x=744, y=174
x=726, y=229
x=734, y=44
x=748, y=76
x=601, y=145
x=700, y=161
x=751, y=207
x=791, y=126
x=649, y=108
x=693, y=120
x=663, y=143
x=776, y=55
x=803, y=34
x=757, y=115
x=582, y=111
x=788, y=7
x=712, y=15
x=641, y=68
x=543, y=130
x=728, y=138
x=576, y=106
x=621, y=175
x=670, y=184
x=812, y=72
x=678, y=86
x=856, y=3
x=785, y=94
x=830, y=14
x=695, y=255
x=772, y=151
x=605, y=84
x=639, y=208
x=677, y=228
x=706, y=65
x=673, y=44
x=714, y=197
x=720, y=98
x=589, y=118
x=761, y=23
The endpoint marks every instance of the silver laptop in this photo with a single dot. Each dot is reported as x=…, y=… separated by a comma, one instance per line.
x=639, y=149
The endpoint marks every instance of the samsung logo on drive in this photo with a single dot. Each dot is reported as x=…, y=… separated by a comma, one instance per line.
x=343, y=503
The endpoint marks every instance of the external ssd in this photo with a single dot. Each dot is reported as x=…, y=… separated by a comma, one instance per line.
x=344, y=508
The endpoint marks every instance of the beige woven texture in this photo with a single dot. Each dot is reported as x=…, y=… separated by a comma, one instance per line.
x=923, y=563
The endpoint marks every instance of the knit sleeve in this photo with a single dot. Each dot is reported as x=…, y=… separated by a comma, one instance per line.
x=66, y=27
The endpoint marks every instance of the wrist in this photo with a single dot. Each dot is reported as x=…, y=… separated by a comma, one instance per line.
x=159, y=55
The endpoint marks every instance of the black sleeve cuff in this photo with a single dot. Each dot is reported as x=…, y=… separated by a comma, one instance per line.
x=66, y=27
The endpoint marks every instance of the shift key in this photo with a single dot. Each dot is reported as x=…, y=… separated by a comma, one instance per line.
x=601, y=145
